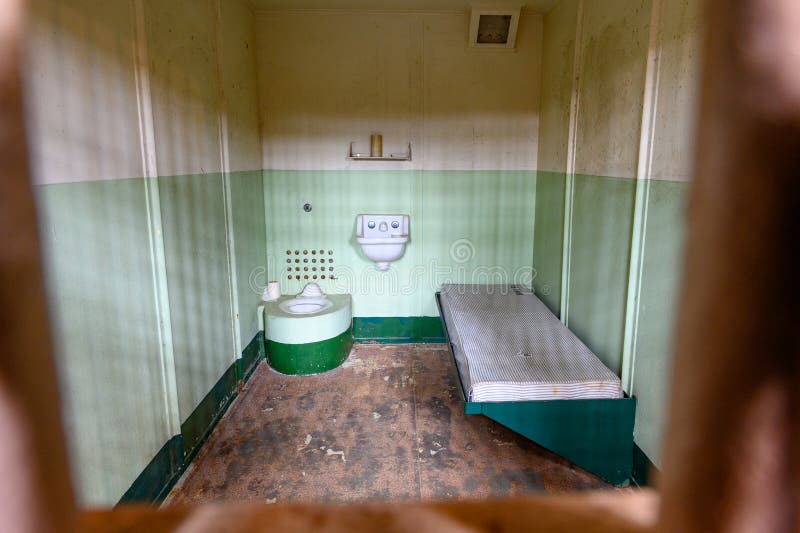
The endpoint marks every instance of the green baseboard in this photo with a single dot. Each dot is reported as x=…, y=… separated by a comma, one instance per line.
x=164, y=470
x=643, y=468
x=251, y=355
x=198, y=426
x=399, y=330
x=159, y=476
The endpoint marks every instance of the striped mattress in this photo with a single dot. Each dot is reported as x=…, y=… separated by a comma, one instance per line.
x=508, y=346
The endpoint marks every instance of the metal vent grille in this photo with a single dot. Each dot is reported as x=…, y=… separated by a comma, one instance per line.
x=493, y=29
x=309, y=264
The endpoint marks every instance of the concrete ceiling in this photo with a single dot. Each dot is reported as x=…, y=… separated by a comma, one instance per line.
x=541, y=6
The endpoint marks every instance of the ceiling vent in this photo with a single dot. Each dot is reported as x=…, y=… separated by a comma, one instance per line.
x=493, y=28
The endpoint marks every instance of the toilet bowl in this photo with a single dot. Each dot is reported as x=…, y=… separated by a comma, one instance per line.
x=308, y=334
x=311, y=300
x=303, y=306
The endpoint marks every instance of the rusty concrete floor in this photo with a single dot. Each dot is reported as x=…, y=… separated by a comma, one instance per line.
x=387, y=425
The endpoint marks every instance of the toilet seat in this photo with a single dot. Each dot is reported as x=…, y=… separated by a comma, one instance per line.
x=305, y=306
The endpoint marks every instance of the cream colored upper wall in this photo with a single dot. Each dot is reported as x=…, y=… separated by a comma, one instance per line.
x=330, y=78
x=82, y=106
x=614, y=38
x=558, y=58
x=614, y=42
x=680, y=38
x=80, y=92
x=481, y=108
x=239, y=83
x=184, y=82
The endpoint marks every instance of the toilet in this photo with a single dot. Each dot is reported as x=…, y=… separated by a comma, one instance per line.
x=308, y=333
x=311, y=300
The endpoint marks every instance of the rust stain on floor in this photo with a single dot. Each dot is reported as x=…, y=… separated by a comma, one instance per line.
x=387, y=425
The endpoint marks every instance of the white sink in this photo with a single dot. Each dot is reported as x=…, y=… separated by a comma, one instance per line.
x=382, y=238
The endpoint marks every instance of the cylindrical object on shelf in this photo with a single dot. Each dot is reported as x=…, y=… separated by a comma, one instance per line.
x=376, y=145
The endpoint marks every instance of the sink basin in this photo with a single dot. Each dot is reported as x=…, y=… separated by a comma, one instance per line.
x=382, y=238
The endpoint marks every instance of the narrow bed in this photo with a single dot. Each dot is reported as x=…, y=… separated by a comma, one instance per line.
x=509, y=347
x=519, y=365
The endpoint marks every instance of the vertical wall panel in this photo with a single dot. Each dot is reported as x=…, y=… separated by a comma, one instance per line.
x=84, y=137
x=602, y=224
x=677, y=104
x=184, y=85
x=673, y=156
x=549, y=237
x=612, y=72
x=81, y=92
x=240, y=85
x=613, y=61
x=661, y=270
x=197, y=275
x=249, y=231
x=558, y=58
x=240, y=88
x=181, y=39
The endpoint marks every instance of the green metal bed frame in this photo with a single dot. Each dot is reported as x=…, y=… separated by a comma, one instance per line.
x=596, y=435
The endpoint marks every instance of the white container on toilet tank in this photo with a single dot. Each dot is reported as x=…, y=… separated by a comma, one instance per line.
x=382, y=238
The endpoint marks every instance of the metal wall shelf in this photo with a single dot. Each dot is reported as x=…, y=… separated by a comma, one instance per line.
x=392, y=157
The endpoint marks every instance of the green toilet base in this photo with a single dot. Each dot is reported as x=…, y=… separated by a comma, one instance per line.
x=309, y=358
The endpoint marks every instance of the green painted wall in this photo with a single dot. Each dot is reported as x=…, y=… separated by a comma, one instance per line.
x=101, y=297
x=248, y=230
x=549, y=237
x=471, y=226
x=193, y=217
x=600, y=255
x=662, y=266
x=101, y=288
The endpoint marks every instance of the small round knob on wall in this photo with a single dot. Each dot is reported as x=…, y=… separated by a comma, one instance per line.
x=307, y=208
